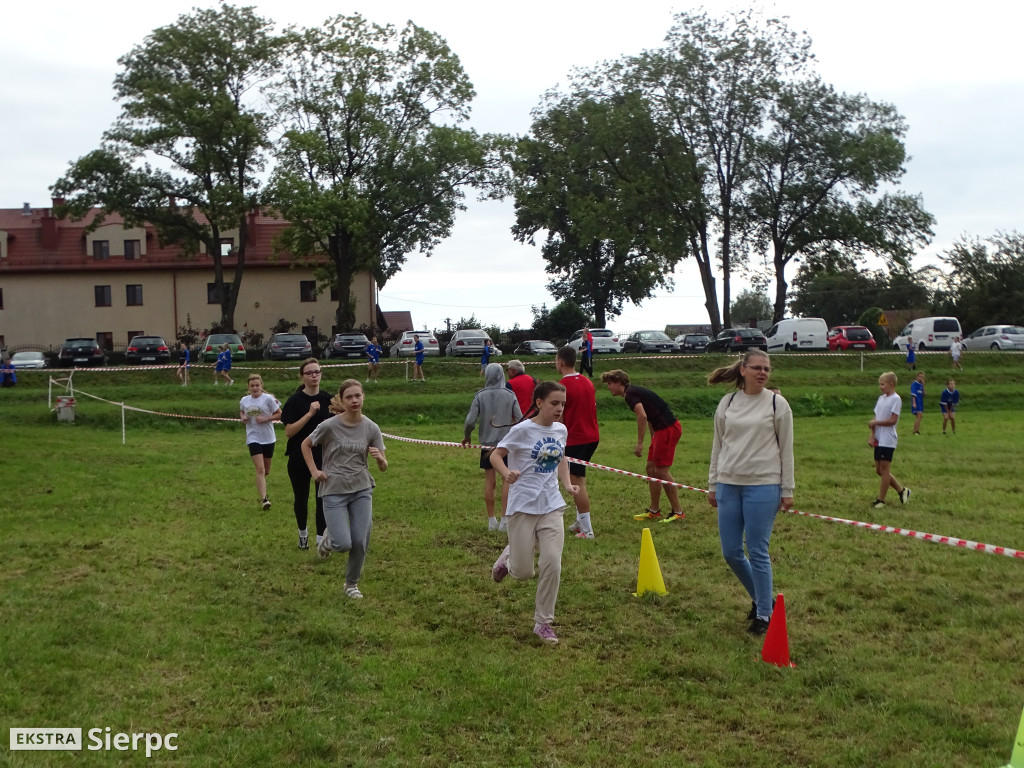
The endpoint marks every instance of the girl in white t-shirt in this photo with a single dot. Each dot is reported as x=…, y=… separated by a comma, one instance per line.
x=259, y=410
x=884, y=438
x=536, y=462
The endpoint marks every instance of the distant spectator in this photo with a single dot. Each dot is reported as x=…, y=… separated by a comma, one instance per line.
x=523, y=384
x=917, y=400
x=955, y=350
x=373, y=352
x=223, y=366
x=183, y=364
x=8, y=373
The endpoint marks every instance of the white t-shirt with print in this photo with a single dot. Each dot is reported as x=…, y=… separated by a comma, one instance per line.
x=885, y=408
x=266, y=404
x=535, y=452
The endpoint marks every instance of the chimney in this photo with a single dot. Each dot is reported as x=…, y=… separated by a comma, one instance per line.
x=26, y=210
x=48, y=231
x=58, y=201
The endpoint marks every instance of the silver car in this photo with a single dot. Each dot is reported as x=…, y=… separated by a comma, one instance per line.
x=996, y=337
x=405, y=346
x=288, y=346
x=21, y=360
x=467, y=343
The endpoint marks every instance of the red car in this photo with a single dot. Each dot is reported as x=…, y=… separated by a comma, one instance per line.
x=844, y=337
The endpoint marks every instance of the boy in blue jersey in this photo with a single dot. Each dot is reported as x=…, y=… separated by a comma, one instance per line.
x=917, y=400
x=485, y=358
x=417, y=368
x=373, y=352
x=948, y=402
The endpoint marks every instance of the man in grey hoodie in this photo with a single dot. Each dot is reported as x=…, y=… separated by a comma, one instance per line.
x=496, y=409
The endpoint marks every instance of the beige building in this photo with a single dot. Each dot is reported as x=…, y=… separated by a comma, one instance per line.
x=58, y=281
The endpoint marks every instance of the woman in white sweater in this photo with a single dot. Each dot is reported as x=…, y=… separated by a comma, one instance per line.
x=751, y=475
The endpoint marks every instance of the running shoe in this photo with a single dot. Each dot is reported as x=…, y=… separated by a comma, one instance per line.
x=545, y=633
x=649, y=514
x=673, y=516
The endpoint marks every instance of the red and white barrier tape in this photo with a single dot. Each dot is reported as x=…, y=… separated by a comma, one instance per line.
x=953, y=541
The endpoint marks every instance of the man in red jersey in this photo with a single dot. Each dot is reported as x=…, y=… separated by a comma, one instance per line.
x=580, y=419
x=520, y=382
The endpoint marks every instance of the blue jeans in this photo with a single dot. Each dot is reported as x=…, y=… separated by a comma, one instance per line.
x=749, y=511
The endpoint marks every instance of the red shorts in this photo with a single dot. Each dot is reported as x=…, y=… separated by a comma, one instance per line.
x=663, y=445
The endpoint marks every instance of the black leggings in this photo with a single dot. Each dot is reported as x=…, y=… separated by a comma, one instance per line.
x=587, y=363
x=298, y=473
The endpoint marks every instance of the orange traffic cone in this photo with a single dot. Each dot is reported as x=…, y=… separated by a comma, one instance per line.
x=648, y=577
x=776, y=641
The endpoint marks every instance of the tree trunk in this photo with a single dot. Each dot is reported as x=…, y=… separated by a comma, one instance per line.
x=341, y=254
x=781, y=286
x=707, y=278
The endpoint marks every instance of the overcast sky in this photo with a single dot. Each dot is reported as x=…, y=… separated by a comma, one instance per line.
x=953, y=71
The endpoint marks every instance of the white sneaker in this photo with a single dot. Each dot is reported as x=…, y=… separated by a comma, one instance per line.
x=492, y=523
x=323, y=547
x=575, y=527
x=503, y=525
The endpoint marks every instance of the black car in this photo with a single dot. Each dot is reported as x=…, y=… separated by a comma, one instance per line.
x=80, y=352
x=693, y=342
x=346, y=345
x=737, y=340
x=147, y=349
x=288, y=346
x=649, y=341
x=535, y=347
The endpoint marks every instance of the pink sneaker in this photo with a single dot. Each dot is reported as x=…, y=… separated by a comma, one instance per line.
x=545, y=633
x=500, y=569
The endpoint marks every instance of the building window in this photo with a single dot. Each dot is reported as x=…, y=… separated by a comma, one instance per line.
x=132, y=250
x=334, y=294
x=101, y=250
x=1, y=298
x=102, y=295
x=213, y=295
x=133, y=334
x=133, y=295
x=106, y=340
x=227, y=245
x=307, y=290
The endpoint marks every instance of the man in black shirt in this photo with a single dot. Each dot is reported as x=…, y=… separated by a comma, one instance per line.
x=665, y=433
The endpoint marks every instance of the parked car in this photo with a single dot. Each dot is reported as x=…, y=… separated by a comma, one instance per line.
x=604, y=340
x=22, y=360
x=737, y=340
x=844, y=337
x=929, y=333
x=692, y=342
x=80, y=352
x=469, y=342
x=209, y=347
x=996, y=337
x=288, y=346
x=535, y=347
x=647, y=342
x=346, y=345
x=793, y=333
x=147, y=349
x=404, y=347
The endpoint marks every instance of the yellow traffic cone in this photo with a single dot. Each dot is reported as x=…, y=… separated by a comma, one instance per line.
x=1017, y=758
x=648, y=577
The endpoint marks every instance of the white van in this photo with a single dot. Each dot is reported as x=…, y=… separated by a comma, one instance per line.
x=929, y=333
x=798, y=333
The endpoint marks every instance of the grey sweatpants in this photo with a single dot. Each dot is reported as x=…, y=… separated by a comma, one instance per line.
x=349, y=519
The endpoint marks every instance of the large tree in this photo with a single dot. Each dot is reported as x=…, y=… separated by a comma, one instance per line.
x=986, y=279
x=816, y=171
x=711, y=84
x=187, y=149
x=373, y=163
x=587, y=178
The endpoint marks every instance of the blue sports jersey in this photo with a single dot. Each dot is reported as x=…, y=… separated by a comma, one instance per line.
x=916, y=396
x=373, y=352
x=419, y=353
x=949, y=400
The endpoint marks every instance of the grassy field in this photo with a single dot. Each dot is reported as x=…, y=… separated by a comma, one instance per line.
x=143, y=590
